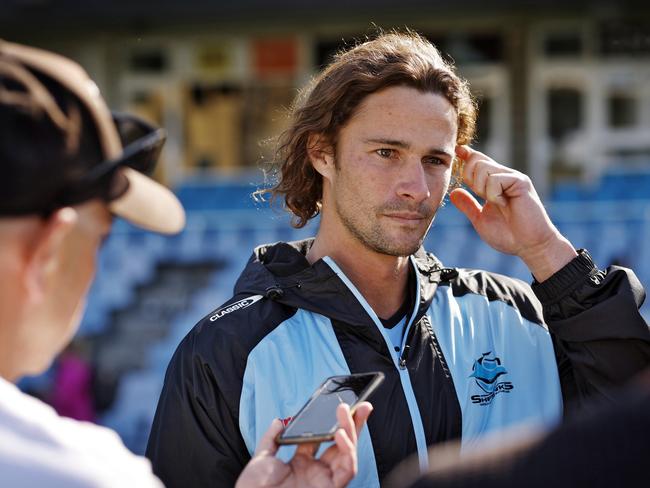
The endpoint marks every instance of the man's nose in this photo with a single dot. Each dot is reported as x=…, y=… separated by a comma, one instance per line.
x=413, y=181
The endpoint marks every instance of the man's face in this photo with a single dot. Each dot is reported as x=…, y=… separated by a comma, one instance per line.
x=394, y=161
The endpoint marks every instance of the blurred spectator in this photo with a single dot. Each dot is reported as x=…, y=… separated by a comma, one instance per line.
x=71, y=394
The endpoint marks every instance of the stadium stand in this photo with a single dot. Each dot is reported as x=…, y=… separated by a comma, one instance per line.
x=151, y=290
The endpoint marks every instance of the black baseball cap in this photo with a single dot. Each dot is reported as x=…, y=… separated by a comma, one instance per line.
x=61, y=146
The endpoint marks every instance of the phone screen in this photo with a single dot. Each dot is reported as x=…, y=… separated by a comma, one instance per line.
x=317, y=419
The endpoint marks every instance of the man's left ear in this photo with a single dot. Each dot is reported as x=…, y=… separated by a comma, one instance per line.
x=46, y=250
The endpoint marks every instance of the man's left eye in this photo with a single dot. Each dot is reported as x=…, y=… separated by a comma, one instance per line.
x=433, y=160
x=385, y=153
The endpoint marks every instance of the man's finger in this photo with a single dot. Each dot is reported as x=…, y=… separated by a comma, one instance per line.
x=267, y=444
x=503, y=186
x=482, y=170
x=476, y=167
x=466, y=203
x=496, y=188
x=468, y=158
x=465, y=152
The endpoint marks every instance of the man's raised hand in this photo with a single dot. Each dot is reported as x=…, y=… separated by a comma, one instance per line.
x=512, y=219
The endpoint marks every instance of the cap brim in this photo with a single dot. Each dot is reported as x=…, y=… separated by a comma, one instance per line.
x=148, y=204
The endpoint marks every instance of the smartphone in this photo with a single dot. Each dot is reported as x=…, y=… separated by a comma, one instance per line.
x=316, y=420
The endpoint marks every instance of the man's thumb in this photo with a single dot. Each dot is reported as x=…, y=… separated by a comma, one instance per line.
x=466, y=203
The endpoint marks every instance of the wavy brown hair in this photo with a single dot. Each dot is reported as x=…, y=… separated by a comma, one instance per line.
x=329, y=101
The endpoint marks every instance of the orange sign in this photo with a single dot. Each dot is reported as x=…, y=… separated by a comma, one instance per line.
x=275, y=56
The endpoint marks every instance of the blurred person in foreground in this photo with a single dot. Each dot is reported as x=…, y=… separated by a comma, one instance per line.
x=68, y=167
x=370, y=147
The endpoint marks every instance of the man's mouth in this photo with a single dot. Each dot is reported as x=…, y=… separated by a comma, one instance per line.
x=407, y=217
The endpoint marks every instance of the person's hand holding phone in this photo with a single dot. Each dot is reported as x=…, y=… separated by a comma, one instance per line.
x=335, y=468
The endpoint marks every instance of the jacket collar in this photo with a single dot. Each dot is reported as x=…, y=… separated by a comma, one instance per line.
x=281, y=272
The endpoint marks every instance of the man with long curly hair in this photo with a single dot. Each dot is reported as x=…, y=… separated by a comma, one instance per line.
x=371, y=148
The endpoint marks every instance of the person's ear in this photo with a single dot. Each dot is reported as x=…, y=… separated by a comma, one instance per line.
x=321, y=155
x=46, y=250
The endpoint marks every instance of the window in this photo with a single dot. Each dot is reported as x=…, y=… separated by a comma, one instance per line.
x=562, y=44
x=486, y=47
x=624, y=38
x=466, y=48
x=622, y=110
x=213, y=126
x=148, y=61
x=564, y=112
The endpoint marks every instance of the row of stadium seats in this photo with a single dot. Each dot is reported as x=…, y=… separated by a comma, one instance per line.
x=222, y=231
x=613, y=185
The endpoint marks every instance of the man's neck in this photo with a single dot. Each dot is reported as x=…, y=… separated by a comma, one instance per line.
x=11, y=325
x=8, y=357
x=382, y=279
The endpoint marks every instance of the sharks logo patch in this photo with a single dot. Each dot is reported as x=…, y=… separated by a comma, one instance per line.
x=487, y=372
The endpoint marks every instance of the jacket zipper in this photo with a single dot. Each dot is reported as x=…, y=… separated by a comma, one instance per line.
x=398, y=362
x=403, y=356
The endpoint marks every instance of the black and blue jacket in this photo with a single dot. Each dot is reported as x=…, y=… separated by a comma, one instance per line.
x=477, y=357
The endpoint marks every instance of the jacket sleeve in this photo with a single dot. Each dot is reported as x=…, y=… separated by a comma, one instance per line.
x=601, y=339
x=195, y=438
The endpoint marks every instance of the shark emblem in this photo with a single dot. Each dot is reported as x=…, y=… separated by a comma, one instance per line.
x=486, y=371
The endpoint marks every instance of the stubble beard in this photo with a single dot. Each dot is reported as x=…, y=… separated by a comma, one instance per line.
x=372, y=236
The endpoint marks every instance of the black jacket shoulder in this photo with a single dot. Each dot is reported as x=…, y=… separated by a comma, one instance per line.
x=497, y=287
